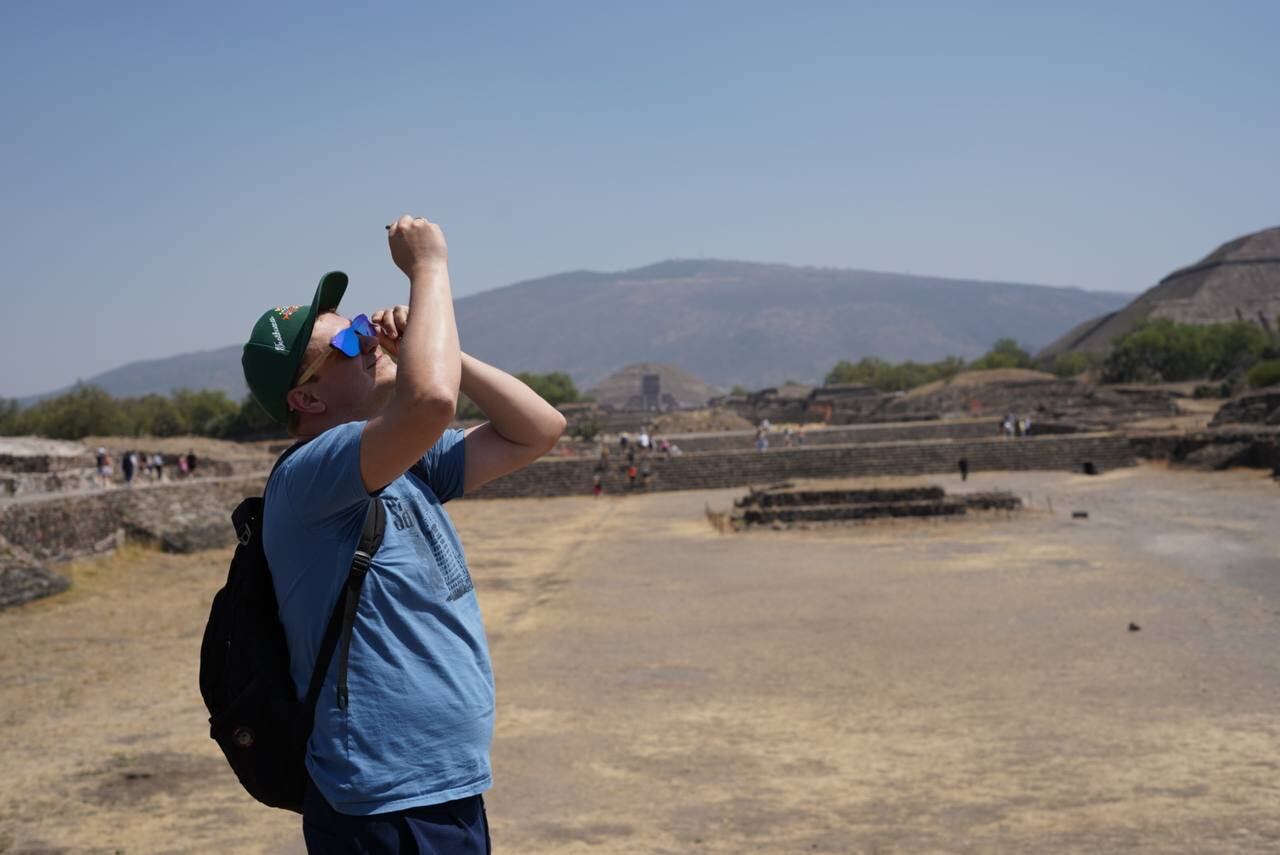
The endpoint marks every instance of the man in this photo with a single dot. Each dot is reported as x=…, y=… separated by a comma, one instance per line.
x=403, y=762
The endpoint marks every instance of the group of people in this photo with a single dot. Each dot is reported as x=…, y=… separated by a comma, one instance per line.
x=1013, y=425
x=644, y=443
x=139, y=465
x=638, y=454
x=790, y=438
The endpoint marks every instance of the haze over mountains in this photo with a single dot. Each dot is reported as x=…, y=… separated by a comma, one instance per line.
x=728, y=322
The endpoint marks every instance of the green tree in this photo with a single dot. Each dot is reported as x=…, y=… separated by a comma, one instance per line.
x=8, y=417
x=207, y=412
x=1232, y=348
x=555, y=388
x=251, y=422
x=1162, y=350
x=892, y=377
x=1005, y=353
x=153, y=415
x=83, y=411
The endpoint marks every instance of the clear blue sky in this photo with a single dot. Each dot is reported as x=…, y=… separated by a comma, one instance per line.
x=172, y=169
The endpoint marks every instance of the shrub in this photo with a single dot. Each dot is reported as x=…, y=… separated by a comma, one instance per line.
x=1074, y=363
x=1264, y=374
x=587, y=429
x=892, y=377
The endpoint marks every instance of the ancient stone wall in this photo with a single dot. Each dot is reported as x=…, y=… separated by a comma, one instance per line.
x=1214, y=449
x=183, y=516
x=846, y=435
x=43, y=462
x=741, y=468
x=1260, y=407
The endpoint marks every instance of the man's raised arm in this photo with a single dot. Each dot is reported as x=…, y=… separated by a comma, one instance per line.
x=428, y=366
x=521, y=426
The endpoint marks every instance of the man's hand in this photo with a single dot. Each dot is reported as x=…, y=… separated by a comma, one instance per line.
x=417, y=245
x=390, y=325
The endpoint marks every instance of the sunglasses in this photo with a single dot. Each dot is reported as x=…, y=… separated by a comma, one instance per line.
x=346, y=342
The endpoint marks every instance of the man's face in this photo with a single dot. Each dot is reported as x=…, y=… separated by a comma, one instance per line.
x=354, y=387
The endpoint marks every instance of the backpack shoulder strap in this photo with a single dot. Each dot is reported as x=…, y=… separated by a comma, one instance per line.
x=247, y=517
x=344, y=611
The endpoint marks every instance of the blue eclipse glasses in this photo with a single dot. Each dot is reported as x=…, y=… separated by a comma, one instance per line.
x=348, y=341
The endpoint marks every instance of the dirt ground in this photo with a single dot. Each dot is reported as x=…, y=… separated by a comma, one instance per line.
x=662, y=688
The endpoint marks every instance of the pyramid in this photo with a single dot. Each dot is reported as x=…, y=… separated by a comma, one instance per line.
x=621, y=388
x=1239, y=280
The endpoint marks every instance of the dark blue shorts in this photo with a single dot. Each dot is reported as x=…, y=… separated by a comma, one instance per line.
x=459, y=827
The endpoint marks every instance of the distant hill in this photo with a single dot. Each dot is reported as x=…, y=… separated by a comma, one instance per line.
x=203, y=369
x=727, y=322
x=1239, y=280
x=731, y=322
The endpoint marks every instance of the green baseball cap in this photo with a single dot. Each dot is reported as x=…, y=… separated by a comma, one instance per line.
x=279, y=338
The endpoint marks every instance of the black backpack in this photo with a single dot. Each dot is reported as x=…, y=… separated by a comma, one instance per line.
x=254, y=712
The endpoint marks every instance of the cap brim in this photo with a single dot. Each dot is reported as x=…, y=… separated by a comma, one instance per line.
x=327, y=297
x=329, y=292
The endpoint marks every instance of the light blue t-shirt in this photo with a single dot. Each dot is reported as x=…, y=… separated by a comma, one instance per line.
x=419, y=718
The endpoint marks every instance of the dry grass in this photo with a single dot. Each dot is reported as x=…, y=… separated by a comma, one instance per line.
x=219, y=449
x=663, y=687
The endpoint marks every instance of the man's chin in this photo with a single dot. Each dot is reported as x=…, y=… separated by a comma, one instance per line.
x=383, y=391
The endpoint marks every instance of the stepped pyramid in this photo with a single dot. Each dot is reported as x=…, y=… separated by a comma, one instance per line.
x=1239, y=280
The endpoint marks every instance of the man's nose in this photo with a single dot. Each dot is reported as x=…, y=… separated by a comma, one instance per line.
x=368, y=343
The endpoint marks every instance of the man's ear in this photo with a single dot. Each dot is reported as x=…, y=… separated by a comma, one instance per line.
x=302, y=400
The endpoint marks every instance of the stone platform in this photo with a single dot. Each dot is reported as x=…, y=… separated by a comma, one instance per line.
x=785, y=506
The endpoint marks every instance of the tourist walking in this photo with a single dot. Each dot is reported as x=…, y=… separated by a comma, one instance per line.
x=103, y=467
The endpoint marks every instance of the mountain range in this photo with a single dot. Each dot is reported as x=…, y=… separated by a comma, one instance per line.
x=727, y=322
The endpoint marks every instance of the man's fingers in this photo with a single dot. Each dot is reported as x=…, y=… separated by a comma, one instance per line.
x=404, y=221
x=391, y=322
